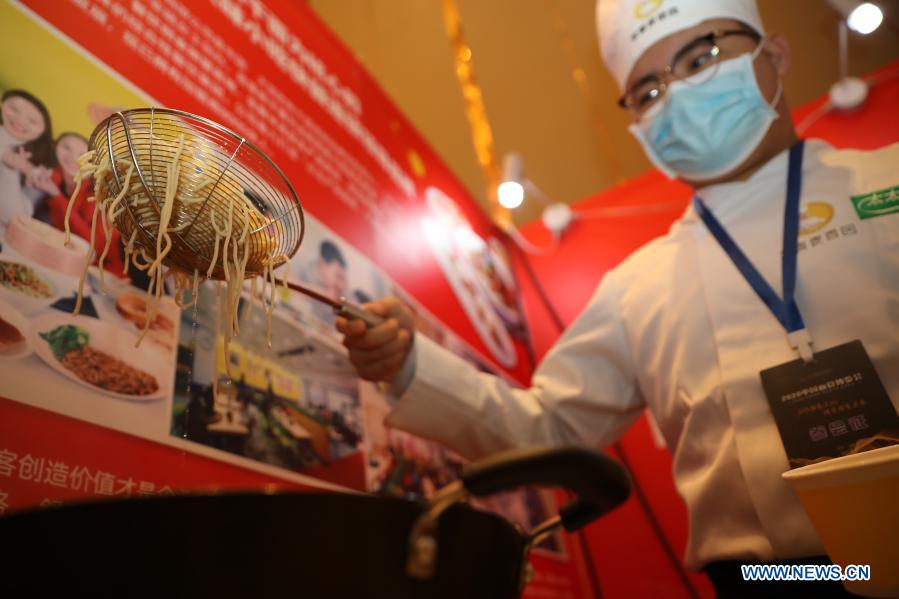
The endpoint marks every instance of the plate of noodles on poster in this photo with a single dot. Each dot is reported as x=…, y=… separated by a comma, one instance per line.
x=100, y=356
x=14, y=341
x=125, y=304
x=27, y=286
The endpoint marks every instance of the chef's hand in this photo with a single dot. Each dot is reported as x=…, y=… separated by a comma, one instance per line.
x=378, y=352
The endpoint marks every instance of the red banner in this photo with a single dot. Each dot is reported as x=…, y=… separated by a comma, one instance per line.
x=383, y=216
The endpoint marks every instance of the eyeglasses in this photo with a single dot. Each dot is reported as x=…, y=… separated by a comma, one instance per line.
x=695, y=63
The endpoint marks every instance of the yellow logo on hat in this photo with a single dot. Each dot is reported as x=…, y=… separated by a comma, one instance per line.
x=646, y=8
x=814, y=217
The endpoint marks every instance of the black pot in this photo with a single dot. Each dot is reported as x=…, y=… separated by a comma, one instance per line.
x=314, y=545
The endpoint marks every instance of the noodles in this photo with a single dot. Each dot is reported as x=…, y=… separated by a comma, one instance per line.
x=84, y=169
x=129, y=247
x=219, y=234
x=185, y=211
x=271, y=305
x=112, y=213
x=253, y=292
x=106, y=246
x=163, y=240
x=87, y=262
x=227, y=238
x=217, y=317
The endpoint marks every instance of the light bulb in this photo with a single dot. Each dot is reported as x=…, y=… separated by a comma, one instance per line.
x=510, y=194
x=865, y=18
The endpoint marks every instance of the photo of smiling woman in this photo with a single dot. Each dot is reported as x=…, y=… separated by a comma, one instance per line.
x=58, y=184
x=26, y=142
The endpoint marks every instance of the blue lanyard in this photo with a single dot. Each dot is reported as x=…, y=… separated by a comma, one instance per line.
x=785, y=310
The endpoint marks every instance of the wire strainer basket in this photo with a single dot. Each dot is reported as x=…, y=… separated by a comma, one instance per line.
x=221, y=176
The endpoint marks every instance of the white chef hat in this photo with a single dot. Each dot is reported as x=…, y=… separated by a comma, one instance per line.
x=628, y=27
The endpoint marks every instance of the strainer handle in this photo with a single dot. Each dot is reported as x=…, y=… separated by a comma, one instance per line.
x=352, y=311
x=341, y=307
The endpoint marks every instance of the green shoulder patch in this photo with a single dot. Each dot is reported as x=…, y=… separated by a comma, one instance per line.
x=877, y=203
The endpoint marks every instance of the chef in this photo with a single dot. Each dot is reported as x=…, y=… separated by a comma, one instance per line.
x=788, y=251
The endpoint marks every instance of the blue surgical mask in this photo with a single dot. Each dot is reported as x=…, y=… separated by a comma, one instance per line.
x=705, y=130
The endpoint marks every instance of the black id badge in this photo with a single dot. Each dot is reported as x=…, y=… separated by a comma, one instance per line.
x=831, y=407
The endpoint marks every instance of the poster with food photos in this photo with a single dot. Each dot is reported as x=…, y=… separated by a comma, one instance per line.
x=125, y=401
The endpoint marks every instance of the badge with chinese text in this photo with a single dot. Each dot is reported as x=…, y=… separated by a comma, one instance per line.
x=831, y=407
x=877, y=203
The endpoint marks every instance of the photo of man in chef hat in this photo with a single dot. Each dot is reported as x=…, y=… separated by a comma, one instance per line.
x=692, y=325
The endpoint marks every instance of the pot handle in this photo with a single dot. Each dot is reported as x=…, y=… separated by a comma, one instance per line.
x=600, y=482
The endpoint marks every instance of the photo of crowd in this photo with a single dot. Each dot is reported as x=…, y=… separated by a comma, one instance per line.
x=294, y=405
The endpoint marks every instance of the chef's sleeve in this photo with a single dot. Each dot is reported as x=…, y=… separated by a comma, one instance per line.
x=583, y=392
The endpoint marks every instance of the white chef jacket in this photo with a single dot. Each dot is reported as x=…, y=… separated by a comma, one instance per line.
x=676, y=328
